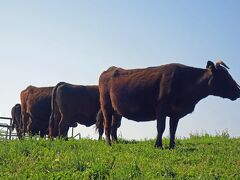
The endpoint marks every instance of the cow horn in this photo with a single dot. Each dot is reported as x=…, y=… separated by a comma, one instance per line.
x=220, y=62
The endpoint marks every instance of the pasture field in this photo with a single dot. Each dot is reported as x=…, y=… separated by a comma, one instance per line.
x=197, y=157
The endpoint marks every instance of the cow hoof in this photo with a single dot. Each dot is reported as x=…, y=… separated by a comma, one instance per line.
x=172, y=145
x=108, y=143
x=158, y=146
x=115, y=141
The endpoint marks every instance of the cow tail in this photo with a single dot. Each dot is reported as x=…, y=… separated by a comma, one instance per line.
x=99, y=123
x=52, y=124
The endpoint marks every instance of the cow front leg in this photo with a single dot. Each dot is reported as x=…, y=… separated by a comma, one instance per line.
x=173, y=127
x=161, y=122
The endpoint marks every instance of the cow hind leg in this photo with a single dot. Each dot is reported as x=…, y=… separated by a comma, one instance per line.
x=32, y=132
x=116, y=121
x=19, y=134
x=30, y=128
x=51, y=126
x=63, y=128
x=42, y=133
x=107, y=110
x=53, y=130
x=24, y=123
x=173, y=127
x=107, y=127
x=107, y=114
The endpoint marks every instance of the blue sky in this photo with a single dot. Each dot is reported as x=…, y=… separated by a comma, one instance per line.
x=44, y=42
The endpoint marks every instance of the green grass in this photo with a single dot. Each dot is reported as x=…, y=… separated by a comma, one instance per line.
x=198, y=157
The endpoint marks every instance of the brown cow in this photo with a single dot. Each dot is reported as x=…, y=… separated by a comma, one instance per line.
x=71, y=104
x=36, y=109
x=16, y=118
x=170, y=90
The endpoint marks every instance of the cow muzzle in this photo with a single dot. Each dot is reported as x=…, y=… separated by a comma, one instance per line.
x=239, y=92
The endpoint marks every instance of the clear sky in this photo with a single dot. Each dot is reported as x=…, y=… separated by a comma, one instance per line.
x=44, y=42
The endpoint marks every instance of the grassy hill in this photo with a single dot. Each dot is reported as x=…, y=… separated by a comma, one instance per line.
x=198, y=157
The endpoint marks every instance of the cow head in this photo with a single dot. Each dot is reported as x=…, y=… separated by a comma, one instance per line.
x=221, y=82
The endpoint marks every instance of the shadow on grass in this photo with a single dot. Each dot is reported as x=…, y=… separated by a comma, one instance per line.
x=123, y=141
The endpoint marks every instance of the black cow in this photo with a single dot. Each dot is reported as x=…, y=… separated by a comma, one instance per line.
x=16, y=119
x=73, y=104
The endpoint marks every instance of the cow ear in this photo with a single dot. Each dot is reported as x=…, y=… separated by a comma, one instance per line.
x=211, y=66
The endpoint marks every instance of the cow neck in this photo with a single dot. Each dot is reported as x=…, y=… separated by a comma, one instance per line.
x=202, y=86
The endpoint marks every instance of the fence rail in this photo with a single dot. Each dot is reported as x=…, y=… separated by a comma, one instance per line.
x=6, y=130
x=6, y=118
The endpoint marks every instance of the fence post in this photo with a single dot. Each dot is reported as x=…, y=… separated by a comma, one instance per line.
x=10, y=129
x=72, y=132
x=7, y=134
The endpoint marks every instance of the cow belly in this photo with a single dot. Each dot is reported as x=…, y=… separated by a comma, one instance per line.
x=180, y=111
x=140, y=118
x=87, y=122
x=141, y=114
x=84, y=120
x=136, y=103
